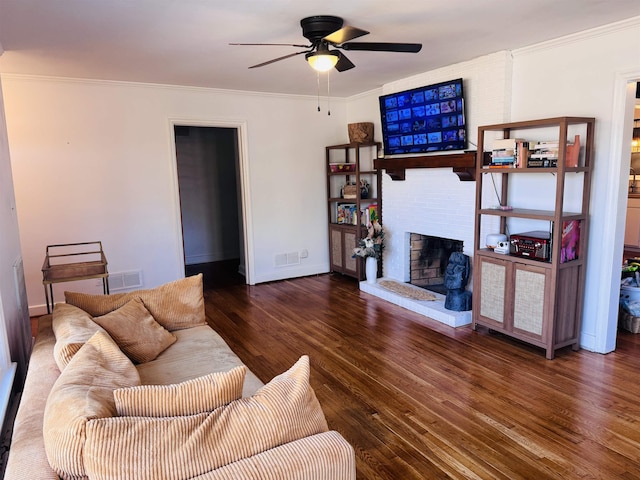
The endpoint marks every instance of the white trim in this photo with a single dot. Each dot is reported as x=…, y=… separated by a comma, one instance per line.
x=610, y=28
x=147, y=85
x=245, y=190
x=615, y=201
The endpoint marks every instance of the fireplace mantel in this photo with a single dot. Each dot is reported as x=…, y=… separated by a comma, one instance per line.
x=464, y=164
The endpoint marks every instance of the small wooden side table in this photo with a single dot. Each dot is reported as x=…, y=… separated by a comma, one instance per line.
x=68, y=262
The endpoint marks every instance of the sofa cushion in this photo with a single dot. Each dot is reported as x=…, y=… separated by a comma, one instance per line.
x=135, y=331
x=182, y=447
x=83, y=391
x=174, y=305
x=202, y=394
x=72, y=327
x=213, y=356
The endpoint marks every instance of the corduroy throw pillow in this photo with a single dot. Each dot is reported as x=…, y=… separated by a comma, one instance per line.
x=174, y=305
x=146, y=448
x=135, y=331
x=83, y=391
x=202, y=394
x=72, y=328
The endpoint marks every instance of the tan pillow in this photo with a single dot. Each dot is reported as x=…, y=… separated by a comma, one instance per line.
x=198, y=395
x=284, y=410
x=84, y=390
x=135, y=331
x=175, y=305
x=72, y=328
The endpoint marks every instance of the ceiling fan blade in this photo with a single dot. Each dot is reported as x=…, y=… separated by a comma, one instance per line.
x=343, y=62
x=345, y=34
x=274, y=44
x=383, y=47
x=279, y=58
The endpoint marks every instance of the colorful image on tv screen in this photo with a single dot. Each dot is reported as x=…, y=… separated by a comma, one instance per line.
x=425, y=119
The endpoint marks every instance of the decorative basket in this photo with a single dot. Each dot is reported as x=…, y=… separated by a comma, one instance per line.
x=350, y=191
x=342, y=167
x=628, y=322
x=360, y=132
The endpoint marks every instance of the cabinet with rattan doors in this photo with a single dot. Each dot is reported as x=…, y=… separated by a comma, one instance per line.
x=532, y=286
x=352, y=198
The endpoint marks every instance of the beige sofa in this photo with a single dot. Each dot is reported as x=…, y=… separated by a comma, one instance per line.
x=193, y=411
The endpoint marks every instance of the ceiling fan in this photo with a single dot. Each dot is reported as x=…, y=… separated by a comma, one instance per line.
x=328, y=33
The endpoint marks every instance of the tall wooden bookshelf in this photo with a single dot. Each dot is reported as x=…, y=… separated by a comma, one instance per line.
x=538, y=301
x=352, y=163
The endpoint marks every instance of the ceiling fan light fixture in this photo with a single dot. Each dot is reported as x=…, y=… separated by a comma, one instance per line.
x=322, y=60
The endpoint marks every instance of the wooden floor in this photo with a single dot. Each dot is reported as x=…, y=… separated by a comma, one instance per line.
x=420, y=400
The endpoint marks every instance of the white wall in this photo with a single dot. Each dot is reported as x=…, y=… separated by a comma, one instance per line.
x=580, y=75
x=94, y=161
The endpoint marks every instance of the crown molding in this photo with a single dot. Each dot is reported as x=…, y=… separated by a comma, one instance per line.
x=630, y=23
x=160, y=86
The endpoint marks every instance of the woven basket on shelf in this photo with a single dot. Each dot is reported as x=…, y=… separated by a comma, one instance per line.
x=360, y=132
x=349, y=191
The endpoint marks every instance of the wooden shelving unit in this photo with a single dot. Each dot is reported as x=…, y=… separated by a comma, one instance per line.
x=538, y=302
x=343, y=238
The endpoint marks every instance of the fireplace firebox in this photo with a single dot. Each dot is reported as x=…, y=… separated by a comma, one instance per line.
x=429, y=257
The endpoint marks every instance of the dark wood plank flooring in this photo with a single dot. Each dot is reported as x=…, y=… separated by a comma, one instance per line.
x=420, y=400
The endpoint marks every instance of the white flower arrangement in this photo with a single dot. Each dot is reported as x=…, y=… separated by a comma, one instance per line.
x=372, y=244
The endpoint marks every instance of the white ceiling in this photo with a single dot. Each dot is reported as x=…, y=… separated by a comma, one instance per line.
x=186, y=42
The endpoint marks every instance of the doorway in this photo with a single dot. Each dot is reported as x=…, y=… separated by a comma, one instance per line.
x=631, y=249
x=209, y=185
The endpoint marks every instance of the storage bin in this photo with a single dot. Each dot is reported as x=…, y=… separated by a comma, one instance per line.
x=631, y=294
x=628, y=322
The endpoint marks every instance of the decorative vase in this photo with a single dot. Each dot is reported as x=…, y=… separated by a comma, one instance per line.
x=371, y=269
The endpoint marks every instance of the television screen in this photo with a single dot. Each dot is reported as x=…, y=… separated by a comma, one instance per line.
x=425, y=119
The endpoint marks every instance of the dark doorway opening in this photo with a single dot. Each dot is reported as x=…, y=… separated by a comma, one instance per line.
x=210, y=203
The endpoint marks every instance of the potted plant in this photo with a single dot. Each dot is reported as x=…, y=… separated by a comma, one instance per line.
x=370, y=248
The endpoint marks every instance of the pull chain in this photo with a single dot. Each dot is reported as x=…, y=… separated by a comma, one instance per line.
x=328, y=94
x=318, y=77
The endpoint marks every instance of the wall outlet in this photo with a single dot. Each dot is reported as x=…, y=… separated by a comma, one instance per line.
x=304, y=253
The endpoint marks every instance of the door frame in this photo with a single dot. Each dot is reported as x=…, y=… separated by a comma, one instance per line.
x=615, y=204
x=245, y=191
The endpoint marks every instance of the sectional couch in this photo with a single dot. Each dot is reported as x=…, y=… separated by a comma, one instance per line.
x=138, y=386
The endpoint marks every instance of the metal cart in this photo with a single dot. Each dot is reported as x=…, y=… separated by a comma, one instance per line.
x=73, y=261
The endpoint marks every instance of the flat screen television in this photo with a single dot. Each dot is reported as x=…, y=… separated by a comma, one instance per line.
x=425, y=119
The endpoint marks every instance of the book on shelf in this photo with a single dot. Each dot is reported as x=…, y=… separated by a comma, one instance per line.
x=570, y=248
x=364, y=216
x=373, y=213
x=548, y=150
x=346, y=214
x=509, y=151
x=498, y=166
x=542, y=162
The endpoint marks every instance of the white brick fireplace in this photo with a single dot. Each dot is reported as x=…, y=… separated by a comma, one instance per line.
x=430, y=201
x=434, y=201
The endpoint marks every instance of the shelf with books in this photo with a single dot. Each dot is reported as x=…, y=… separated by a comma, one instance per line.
x=352, y=191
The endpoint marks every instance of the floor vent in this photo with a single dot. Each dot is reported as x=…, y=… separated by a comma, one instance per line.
x=125, y=280
x=286, y=259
